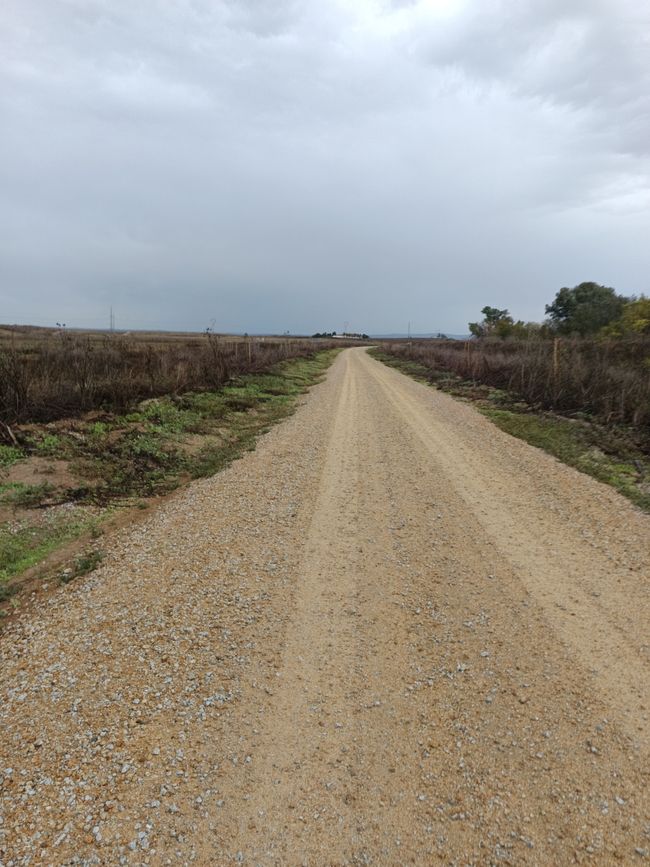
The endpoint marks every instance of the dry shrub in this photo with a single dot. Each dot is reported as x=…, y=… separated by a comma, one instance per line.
x=65, y=374
x=607, y=379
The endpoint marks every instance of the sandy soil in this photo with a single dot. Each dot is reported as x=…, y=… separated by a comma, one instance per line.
x=391, y=635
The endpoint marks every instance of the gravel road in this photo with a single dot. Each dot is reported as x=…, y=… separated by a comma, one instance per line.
x=391, y=635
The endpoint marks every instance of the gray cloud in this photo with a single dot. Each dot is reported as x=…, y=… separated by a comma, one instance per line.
x=295, y=166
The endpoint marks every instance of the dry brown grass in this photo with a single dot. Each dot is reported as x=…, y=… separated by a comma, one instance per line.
x=605, y=379
x=46, y=374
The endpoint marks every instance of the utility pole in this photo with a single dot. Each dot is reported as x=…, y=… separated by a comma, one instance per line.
x=112, y=322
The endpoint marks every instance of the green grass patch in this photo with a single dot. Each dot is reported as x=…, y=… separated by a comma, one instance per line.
x=50, y=446
x=584, y=446
x=271, y=396
x=45, y=444
x=23, y=545
x=20, y=495
x=167, y=416
x=9, y=455
x=206, y=405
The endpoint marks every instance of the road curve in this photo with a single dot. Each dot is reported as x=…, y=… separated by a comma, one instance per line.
x=391, y=635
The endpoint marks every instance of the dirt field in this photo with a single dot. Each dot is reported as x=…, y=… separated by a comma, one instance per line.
x=391, y=635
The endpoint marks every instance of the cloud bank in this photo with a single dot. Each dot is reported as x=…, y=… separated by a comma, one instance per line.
x=296, y=166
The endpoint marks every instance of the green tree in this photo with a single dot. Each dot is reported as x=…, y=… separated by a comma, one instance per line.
x=634, y=319
x=495, y=322
x=585, y=309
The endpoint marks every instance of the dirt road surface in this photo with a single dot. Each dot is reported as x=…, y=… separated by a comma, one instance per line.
x=391, y=635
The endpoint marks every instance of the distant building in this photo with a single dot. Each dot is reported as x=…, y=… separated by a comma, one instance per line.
x=347, y=335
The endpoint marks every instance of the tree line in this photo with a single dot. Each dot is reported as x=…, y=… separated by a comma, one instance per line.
x=585, y=310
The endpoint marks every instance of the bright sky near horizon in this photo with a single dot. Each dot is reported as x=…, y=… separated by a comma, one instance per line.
x=302, y=165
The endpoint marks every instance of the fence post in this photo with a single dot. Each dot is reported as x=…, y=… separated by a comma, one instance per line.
x=556, y=368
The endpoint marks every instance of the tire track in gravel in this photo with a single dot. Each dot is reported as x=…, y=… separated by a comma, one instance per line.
x=311, y=701
x=546, y=556
x=335, y=783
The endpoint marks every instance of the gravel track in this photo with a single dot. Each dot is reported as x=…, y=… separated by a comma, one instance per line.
x=391, y=635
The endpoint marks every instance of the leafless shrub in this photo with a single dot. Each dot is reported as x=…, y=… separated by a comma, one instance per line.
x=607, y=379
x=63, y=374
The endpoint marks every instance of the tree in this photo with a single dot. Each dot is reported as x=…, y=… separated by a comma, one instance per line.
x=495, y=322
x=635, y=319
x=585, y=309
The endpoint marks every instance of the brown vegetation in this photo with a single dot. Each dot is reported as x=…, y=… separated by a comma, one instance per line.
x=603, y=378
x=47, y=375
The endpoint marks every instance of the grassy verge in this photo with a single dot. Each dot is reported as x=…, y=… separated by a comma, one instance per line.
x=612, y=455
x=24, y=545
x=86, y=468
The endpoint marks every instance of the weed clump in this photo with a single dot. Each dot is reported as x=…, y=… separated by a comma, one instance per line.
x=23, y=496
x=8, y=456
x=83, y=565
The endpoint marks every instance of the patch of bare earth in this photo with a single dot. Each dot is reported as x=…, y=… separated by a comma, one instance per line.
x=36, y=471
x=390, y=635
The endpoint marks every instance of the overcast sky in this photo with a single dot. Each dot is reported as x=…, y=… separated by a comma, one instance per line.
x=297, y=165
